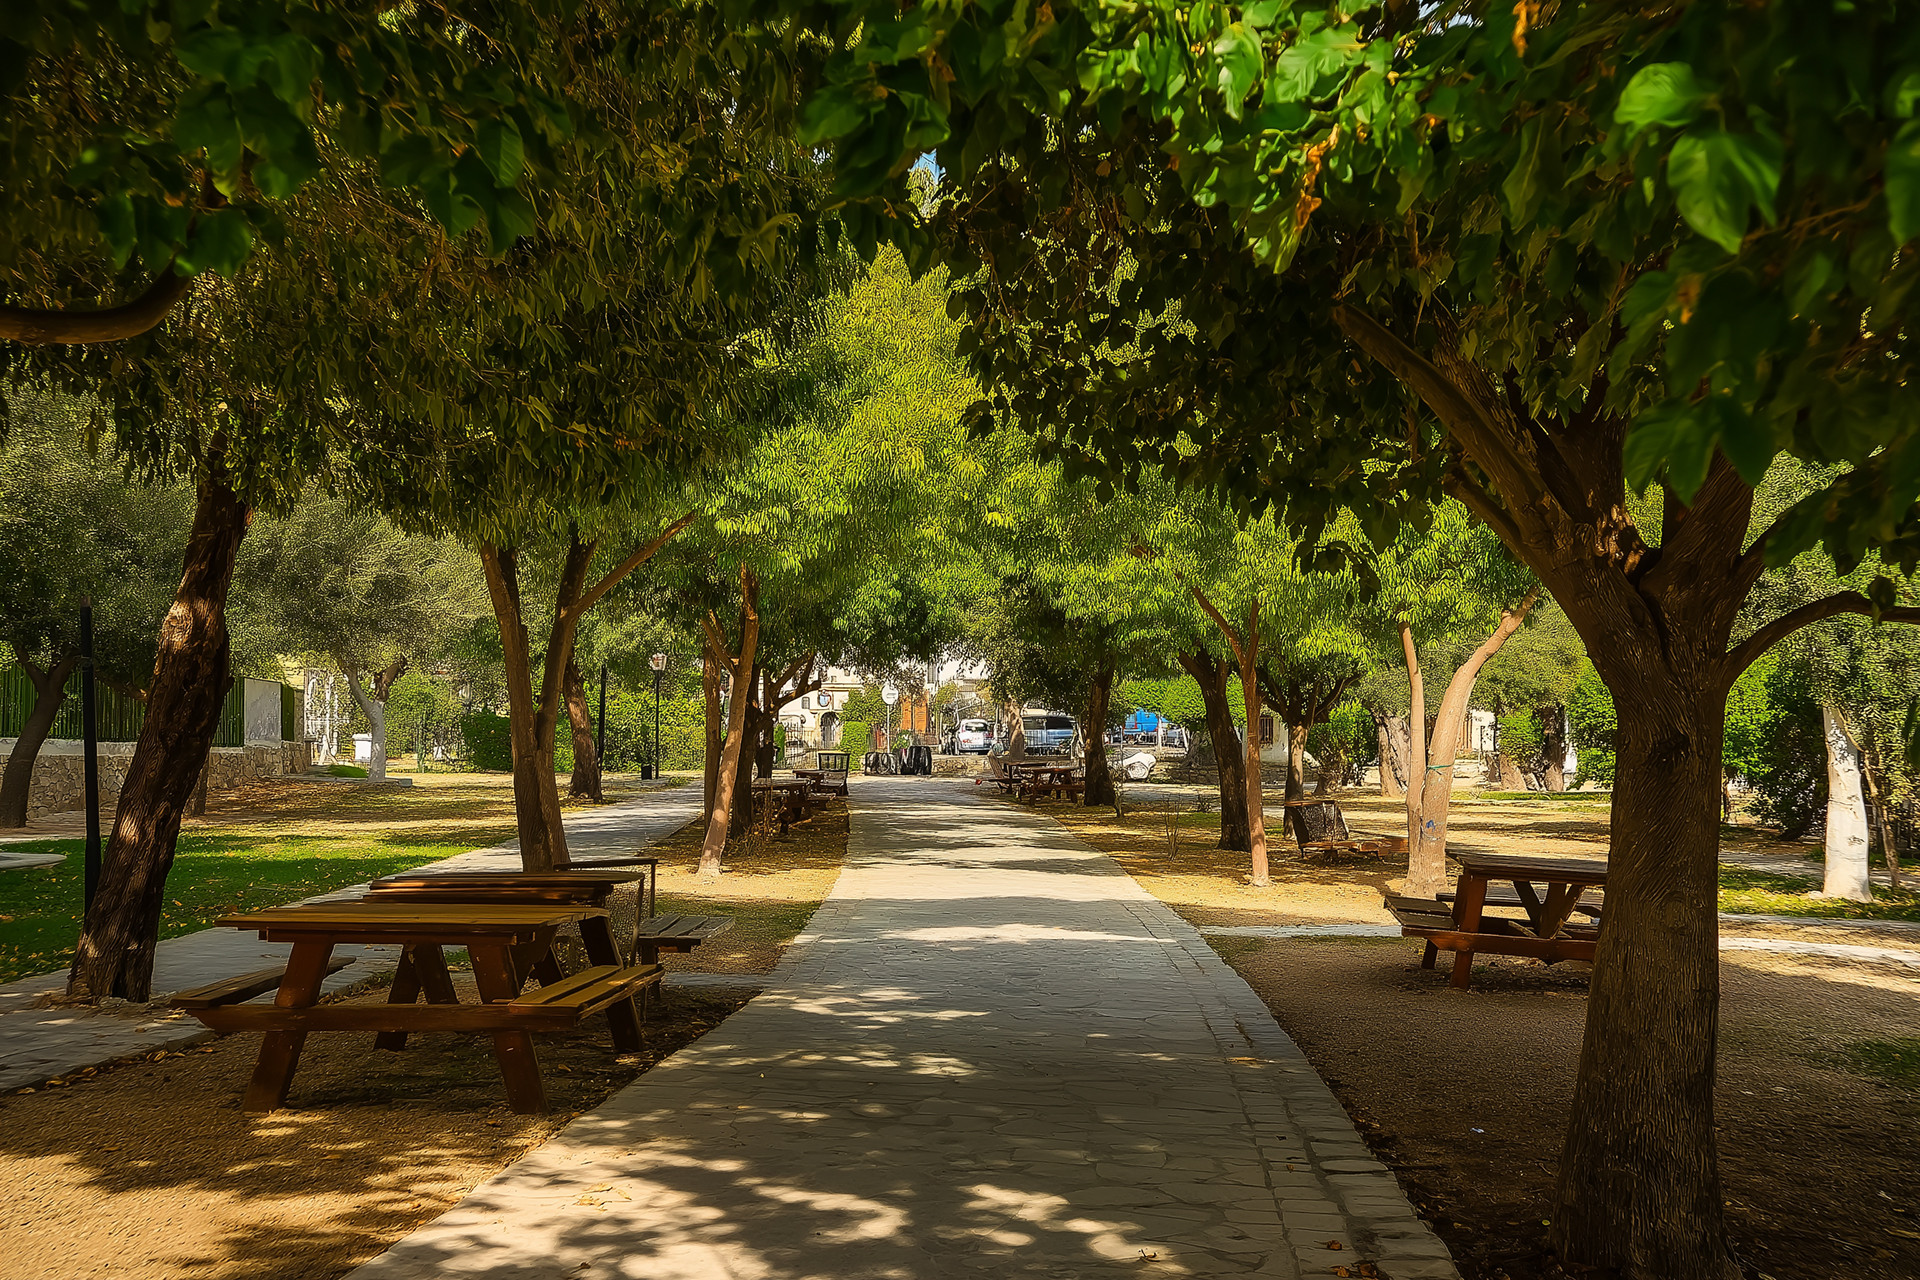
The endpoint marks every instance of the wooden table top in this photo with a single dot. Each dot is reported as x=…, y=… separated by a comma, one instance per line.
x=397, y=918
x=1520, y=867
x=564, y=878
x=779, y=784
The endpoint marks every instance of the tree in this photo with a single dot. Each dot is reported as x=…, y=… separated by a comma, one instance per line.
x=72, y=529
x=333, y=578
x=1582, y=247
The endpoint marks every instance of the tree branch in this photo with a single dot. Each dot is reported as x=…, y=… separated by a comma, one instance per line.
x=37, y=327
x=1744, y=654
x=592, y=595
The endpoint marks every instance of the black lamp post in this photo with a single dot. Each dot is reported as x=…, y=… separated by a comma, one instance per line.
x=659, y=662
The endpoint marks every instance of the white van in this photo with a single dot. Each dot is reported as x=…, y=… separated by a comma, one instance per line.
x=1047, y=733
x=975, y=738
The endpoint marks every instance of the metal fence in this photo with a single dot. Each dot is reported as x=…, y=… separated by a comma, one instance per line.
x=118, y=716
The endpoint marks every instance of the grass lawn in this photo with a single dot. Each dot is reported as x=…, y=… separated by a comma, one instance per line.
x=214, y=873
x=1747, y=892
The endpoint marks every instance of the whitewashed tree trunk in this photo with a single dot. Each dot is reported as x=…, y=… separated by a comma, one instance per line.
x=376, y=713
x=1847, y=861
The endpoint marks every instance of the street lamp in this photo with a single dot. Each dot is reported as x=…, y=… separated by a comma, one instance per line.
x=659, y=662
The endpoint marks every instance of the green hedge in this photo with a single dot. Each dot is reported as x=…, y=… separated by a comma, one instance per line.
x=489, y=740
x=856, y=736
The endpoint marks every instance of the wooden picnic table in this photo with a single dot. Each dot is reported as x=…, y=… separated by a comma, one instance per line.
x=1548, y=891
x=506, y=943
x=570, y=886
x=1049, y=779
x=787, y=799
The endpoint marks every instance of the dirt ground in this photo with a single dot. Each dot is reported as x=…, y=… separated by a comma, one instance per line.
x=1466, y=1094
x=148, y=1170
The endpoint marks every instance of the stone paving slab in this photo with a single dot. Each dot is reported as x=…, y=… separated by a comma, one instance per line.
x=38, y=1044
x=992, y=1054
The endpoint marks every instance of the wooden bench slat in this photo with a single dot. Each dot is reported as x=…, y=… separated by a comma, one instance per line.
x=241, y=987
x=602, y=986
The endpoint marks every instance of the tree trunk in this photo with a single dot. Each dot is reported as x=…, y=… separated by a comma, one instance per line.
x=1428, y=800
x=720, y=813
x=1639, y=1181
x=1099, y=778
x=1553, y=729
x=747, y=765
x=1507, y=769
x=1873, y=773
x=536, y=791
x=710, y=691
x=1212, y=676
x=197, y=807
x=1016, y=732
x=1392, y=768
x=1256, y=800
x=375, y=710
x=586, y=781
x=190, y=680
x=49, y=690
x=1296, y=758
x=1847, y=845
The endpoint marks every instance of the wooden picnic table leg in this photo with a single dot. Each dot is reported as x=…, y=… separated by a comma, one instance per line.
x=405, y=990
x=623, y=1018
x=423, y=967
x=280, y=1050
x=1467, y=906
x=499, y=982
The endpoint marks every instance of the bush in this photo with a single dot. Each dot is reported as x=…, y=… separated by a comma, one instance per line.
x=1591, y=716
x=489, y=740
x=1789, y=754
x=856, y=736
x=1347, y=743
x=1521, y=738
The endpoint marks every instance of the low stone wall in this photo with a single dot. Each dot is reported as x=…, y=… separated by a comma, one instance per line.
x=59, y=773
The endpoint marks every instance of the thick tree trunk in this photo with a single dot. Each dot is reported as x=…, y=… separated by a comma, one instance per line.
x=1639, y=1186
x=1553, y=749
x=1297, y=759
x=1016, y=732
x=190, y=680
x=375, y=710
x=197, y=807
x=1848, y=852
x=586, y=781
x=49, y=690
x=1393, y=769
x=1507, y=770
x=536, y=791
x=720, y=812
x=1212, y=677
x=1427, y=803
x=1099, y=778
x=747, y=765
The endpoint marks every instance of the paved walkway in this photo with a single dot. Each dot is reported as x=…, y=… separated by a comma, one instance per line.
x=38, y=1044
x=993, y=1054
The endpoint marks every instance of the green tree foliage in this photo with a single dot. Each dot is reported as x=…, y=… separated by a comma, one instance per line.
x=1789, y=764
x=1595, y=725
x=73, y=527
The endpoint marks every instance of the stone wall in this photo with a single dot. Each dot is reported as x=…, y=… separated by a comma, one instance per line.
x=59, y=774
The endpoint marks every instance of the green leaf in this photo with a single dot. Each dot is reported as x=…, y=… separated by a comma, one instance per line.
x=206, y=123
x=1241, y=64
x=1903, y=183
x=831, y=113
x=1673, y=439
x=501, y=150
x=1663, y=93
x=1718, y=178
x=219, y=241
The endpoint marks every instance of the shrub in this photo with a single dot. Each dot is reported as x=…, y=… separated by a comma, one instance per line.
x=856, y=736
x=1789, y=758
x=1591, y=716
x=489, y=740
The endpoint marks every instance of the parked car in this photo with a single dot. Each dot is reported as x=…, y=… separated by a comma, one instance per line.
x=975, y=738
x=1047, y=734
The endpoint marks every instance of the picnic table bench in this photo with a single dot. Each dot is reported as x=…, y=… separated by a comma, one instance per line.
x=1458, y=923
x=506, y=944
x=678, y=934
x=1058, y=780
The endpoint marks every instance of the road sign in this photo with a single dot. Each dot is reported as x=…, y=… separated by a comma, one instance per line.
x=889, y=694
